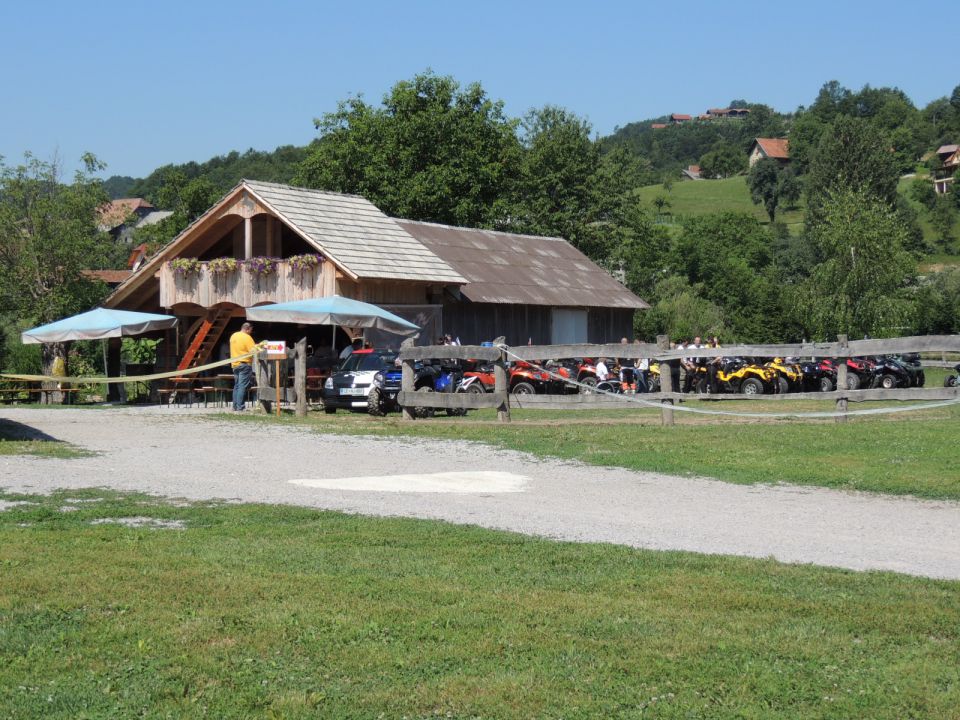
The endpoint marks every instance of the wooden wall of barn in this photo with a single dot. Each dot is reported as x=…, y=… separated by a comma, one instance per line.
x=474, y=323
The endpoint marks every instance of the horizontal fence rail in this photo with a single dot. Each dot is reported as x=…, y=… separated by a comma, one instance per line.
x=501, y=355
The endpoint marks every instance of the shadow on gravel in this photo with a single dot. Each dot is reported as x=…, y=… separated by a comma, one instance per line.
x=10, y=430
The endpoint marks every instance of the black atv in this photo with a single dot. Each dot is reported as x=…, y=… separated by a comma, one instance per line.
x=911, y=363
x=890, y=373
x=818, y=376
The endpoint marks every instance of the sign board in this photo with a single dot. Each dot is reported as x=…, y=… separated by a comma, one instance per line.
x=276, y=349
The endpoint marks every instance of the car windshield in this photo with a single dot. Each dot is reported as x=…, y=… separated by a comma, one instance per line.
x=367, y=361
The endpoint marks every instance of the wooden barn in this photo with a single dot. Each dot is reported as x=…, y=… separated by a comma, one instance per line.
x=473, y=284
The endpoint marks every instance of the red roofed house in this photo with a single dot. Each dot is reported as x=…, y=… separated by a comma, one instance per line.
x=116, y=212
x=776, y=148
x=944, y=175
x=658, y=126
x=678, y=119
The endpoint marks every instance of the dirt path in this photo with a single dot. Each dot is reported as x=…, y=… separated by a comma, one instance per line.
x=173, y=453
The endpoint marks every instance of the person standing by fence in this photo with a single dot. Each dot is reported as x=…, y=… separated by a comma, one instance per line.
x=241, y=343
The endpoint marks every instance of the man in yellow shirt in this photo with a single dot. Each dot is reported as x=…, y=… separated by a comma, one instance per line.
x=241, y=343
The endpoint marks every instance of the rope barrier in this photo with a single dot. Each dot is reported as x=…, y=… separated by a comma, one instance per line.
x=699, y=411
x=125, y=378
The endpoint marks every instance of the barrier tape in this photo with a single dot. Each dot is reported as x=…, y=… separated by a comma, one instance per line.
x=126, y=378
x=661, y=404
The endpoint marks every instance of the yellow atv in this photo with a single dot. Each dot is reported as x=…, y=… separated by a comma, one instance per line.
x=737, y=375
x=789, y=377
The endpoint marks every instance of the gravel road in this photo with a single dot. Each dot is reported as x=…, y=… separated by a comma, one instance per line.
x=172, y=452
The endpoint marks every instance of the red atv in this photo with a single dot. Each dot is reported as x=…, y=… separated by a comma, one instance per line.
x=523, y=378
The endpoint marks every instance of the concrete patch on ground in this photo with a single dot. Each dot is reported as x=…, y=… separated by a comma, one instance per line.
x=481, y=482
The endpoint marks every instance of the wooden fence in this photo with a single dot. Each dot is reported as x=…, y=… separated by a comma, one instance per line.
x=501, y=399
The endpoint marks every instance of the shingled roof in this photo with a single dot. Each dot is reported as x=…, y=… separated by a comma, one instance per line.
x=354, y=233
x=776, y=148
x=523, y=269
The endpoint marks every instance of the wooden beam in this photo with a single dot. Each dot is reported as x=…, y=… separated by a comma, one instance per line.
x=842, y=379
x=451, y=352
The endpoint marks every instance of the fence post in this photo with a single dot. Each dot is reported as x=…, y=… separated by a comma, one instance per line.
x=501, y=387
x=300, y=377
x=666, y=383
x=406, y=385
x=842, y=379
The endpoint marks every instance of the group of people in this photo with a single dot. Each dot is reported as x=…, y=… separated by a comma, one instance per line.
x=634, y=375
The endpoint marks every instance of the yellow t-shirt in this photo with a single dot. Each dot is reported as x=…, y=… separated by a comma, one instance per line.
x=241, y=344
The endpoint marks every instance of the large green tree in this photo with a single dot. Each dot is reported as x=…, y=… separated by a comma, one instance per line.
x=433, y=150
x=772, y=185
x=862, y=286
x=48, y=236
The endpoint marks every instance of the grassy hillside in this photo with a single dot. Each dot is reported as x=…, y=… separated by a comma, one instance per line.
x=701, y=197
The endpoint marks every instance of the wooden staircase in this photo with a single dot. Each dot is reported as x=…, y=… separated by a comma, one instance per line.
x=205, y=339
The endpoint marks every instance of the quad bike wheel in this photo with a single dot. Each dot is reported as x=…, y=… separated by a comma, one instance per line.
x=920, y=379
x=751, y=386
x=950, y=381
x=375, y=403
x=853, y=381
x=702, y=386
x=655, y=385
x=783, y=387
x=523, y=388
x=888, y=382
x=477, y=389
x=826, y=384
x=424, y=412
x=590, y=381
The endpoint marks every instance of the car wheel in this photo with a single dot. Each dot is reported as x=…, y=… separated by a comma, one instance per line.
x=826, y=384
x=751, y=386
x=888, y=382
x=523, y=388
x=329, y=410
x=853, y=381
x=375, y=403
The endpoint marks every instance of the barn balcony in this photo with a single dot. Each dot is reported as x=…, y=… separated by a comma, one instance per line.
x=246, y=289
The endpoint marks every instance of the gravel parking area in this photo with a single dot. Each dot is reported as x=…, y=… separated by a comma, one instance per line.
x=171, y=452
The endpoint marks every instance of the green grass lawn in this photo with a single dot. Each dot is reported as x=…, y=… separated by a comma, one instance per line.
x=278, y=612
x=700, y=197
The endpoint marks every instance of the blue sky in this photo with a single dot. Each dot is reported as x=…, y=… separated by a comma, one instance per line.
x=144, y=84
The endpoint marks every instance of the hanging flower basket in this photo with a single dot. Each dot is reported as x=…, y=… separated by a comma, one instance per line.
x=185, y=267
x=223, y=265
x=261, y=265
x=307, y=261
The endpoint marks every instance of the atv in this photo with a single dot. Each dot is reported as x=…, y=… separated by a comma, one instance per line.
x=789, y=378
x=818, y=376
x=891, y=373
x=911, y=363
x=738, y=375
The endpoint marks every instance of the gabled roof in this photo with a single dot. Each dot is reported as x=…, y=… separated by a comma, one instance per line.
x=349, y=230
x=354, y=233
x=504, y=267
x=680, y=116
x=947, y=149
x=777, y=148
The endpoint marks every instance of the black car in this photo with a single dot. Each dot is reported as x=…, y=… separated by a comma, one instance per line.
x=349, y=386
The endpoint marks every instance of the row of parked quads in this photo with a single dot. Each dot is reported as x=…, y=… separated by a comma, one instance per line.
x=369, y=380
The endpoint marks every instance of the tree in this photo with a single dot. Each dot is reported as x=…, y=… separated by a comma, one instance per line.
x=942, y=217
x=851, y=154
x=432, y=151
x=680, y=311
x=724, y=160
x=771, y=185
x=861, y=286
x=48, y=237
